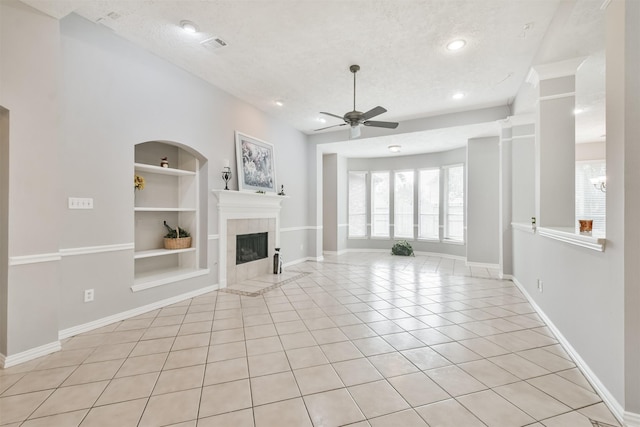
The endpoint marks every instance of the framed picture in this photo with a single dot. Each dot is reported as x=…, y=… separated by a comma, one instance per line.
x=256, y=164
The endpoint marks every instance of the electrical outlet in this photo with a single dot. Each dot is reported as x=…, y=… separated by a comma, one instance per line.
x=540, y=288
x=80, y=203
x=88, y=295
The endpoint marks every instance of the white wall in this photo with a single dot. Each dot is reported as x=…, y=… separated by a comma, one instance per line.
x=593, y=297
x=330, y=202
x=523, y=176
x=29, y=42
x=591, y=151
x=342, y=203
x=118, y=95
x=629, y=99
x=113, y=95
x=4, y=223
x=483, y=200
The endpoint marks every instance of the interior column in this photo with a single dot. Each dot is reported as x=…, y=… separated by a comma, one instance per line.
x=555, y=142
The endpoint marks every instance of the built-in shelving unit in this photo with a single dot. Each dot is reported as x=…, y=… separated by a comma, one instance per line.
x=172, y=195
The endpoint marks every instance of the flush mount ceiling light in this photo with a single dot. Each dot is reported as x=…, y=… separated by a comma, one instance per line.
x=577, y=111
x=394, y=148
x=458, y=95
x=278, y=103
x=456, y=44
x=188, y=27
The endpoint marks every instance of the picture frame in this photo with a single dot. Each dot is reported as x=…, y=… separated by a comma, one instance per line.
x=256, y=164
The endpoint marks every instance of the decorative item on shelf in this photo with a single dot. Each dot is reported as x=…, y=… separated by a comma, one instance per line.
x=226, y=174
x=586, y=226
x=138, y=182
x=281, y=193
x=402, y=248
x=164, y=162
x=533, y=222
x=261, y=192
x=176, y=238
x=277, y=262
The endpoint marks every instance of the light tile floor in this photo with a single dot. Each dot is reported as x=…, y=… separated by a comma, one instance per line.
x=360, y=339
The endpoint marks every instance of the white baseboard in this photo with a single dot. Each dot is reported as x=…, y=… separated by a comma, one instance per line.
x=505, y=276
x=86, y=327
x=388, y=251
x=25, y=356
x=481, y=265
x=616, y=408
x=631, y=419
x=342, y=252
x=441, y=255
x=301, y=260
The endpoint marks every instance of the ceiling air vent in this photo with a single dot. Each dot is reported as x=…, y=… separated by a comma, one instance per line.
x=214, y=43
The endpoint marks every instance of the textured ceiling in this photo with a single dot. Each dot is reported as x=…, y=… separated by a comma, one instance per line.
x=299, y=51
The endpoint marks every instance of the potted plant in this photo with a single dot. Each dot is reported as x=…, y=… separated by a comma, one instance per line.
x=402, y=248
x=176, y=238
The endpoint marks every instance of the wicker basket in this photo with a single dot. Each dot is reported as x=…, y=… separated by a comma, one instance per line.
x=179, y=243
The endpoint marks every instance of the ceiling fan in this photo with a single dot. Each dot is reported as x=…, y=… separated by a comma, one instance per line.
x=356, y=118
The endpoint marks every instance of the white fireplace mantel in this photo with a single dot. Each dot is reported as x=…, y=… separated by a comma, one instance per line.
x=243, y=205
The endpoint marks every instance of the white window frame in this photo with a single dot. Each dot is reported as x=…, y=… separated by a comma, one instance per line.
x=413, y=206
x=445, y=199
x=419, y=194
x=371, y=208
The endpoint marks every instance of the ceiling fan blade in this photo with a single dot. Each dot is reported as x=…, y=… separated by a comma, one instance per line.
x=373, y=112
x=390, y=125
x=332, y=115
x=332, y=126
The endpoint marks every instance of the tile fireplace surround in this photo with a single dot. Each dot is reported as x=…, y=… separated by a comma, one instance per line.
x=244, y=213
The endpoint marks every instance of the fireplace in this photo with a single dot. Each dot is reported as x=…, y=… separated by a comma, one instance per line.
x=242, y=213
x=251, y=247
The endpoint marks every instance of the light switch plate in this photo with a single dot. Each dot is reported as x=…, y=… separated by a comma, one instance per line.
x=80, y=203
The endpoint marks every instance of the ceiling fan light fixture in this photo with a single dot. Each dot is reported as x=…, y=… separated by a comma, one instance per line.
x=354, y=131
x=456, y=44
x=394, y=148
x=188, y=27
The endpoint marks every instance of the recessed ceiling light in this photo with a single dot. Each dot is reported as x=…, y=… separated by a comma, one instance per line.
x=456, y=44
x=188, y=27
x=279, y=103
x=577, y=111
x=321, y=120
x=458, y=95
x=394, y=148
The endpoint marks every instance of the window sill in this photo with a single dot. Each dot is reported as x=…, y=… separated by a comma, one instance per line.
x=428, y=240
x=523, y=226
x=453, y=242
x=357, y=238
x=564, y=234
x=567, y=235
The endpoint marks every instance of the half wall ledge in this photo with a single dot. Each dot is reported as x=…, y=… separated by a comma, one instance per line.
x=566, y=235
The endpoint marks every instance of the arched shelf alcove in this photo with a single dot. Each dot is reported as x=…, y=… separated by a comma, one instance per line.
x=175, y=193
